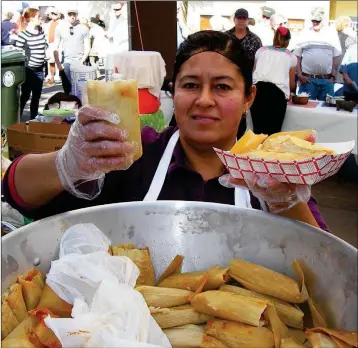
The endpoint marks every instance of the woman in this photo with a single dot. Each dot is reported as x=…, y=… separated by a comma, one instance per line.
x=274, y=77
x=349, y=71
x=33, y=41
x=212, y=90
x=97, y=37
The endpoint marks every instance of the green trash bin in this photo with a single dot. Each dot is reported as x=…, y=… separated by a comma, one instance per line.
x=12, y=76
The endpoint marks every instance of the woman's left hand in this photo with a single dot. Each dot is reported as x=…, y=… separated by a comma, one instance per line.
x=278, y=196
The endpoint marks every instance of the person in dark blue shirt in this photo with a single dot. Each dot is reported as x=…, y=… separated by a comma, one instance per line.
x=6, y=28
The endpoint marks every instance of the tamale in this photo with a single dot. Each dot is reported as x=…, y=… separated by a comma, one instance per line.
x=178, y=316
x=320, y=340
x=229, y=306
x=278, y=328
x=191, y=336
x=164, y=297
x=121, y=98
x=174, y=267
x=24, y=329
x=349, y=337
x=54, y=303
x=16, y=302
x=141, y=257
x=291, y=343
x=8, y=320
x=44, y=334
x=22, y=342
x=289, y=314
x=32, y=284
x=265, y=281
x=240, y=335
x=190, y=281
x=298, y=335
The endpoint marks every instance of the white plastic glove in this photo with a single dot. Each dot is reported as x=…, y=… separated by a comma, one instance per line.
x=277, y=195
x=95, y=146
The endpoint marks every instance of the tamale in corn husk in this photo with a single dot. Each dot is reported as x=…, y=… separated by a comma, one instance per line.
x=298, y=335
x=178, y=316
x=141, y=257
x=229, y=306
x=191, y=281
x=32, y=284
x=16, y=302
x=320, y=340
x=289, y=314
x=22, y=342
x=278, y=328
x=265, y=281
x=44, y=334
x=191, y=336
x=348, y=337
x=8, y=320
x=164, y=297
x=174, y=267
x=240, y=335
x=291, y=343
x=55, y=304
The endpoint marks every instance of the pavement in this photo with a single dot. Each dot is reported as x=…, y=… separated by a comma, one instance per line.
x=336, y=196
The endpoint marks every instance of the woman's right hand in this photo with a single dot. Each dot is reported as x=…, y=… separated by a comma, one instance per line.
x=303, y=79
x=95, y=146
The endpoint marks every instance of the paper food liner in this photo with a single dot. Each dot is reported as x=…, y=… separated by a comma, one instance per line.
x=308, y=171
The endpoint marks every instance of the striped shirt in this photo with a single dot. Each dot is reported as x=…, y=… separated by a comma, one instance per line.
x=34, y=46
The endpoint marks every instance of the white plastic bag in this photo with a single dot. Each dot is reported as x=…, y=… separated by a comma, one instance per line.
x=77, y=276
x=117, y=317
x=83, y=239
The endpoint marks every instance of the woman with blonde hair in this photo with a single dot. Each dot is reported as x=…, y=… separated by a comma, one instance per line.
x=32, y=40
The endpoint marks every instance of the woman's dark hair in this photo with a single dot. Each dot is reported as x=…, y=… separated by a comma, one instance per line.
x=216, y=41
x=94, y=20
x=282, y=37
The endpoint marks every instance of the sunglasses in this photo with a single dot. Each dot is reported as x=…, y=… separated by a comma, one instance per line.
x=316, y=22
x=117, y=9
x=53, y=13
x=71, y=30
x=241, y=17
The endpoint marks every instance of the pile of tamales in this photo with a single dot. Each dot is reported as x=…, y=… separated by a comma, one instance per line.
x=244, y=305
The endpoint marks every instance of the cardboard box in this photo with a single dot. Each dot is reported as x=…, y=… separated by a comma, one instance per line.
x=35, y=137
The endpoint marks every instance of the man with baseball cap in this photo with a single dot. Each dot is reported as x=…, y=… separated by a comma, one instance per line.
x=75, y=40
x=318, y=53
x=250, y=41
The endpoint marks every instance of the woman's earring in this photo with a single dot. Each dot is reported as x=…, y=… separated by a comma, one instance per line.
x=245, y=114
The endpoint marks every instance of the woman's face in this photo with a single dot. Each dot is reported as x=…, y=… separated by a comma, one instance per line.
x=209, y=100
x=36, y=20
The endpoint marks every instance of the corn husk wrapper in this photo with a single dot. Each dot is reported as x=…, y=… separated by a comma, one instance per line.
x=55, y=304
x=8, y=320
x=278, y=328
x=24, y=329
x=32, y=284
x=298, y=335
x=178, y=316
x=191, y=336
x=16, y=302
x=319, y=340
x=268, y=282
x=43, y=333
x=230, y=306
x=191, y=281
x=348, y=337
x=289, y=314
x=22, y=342
x=291, y=343
x=164, y=297
x=240, y=335
x=141, y=257
x=174, y=267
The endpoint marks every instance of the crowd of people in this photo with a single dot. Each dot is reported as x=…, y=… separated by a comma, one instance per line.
x=53, y=42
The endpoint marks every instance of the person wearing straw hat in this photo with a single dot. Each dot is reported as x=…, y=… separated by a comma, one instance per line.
x=317, y=54
x=118, y=32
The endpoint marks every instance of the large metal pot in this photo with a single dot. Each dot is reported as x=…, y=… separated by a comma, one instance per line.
x=206, y=234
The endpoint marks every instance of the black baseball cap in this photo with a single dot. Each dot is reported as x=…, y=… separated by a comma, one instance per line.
x=241, y=12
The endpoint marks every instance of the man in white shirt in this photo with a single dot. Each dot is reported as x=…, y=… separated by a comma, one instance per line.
x=317, y=58
x=118, y=32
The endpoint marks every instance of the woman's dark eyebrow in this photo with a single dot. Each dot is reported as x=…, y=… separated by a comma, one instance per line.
x=222, y=77
x=188, y=77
